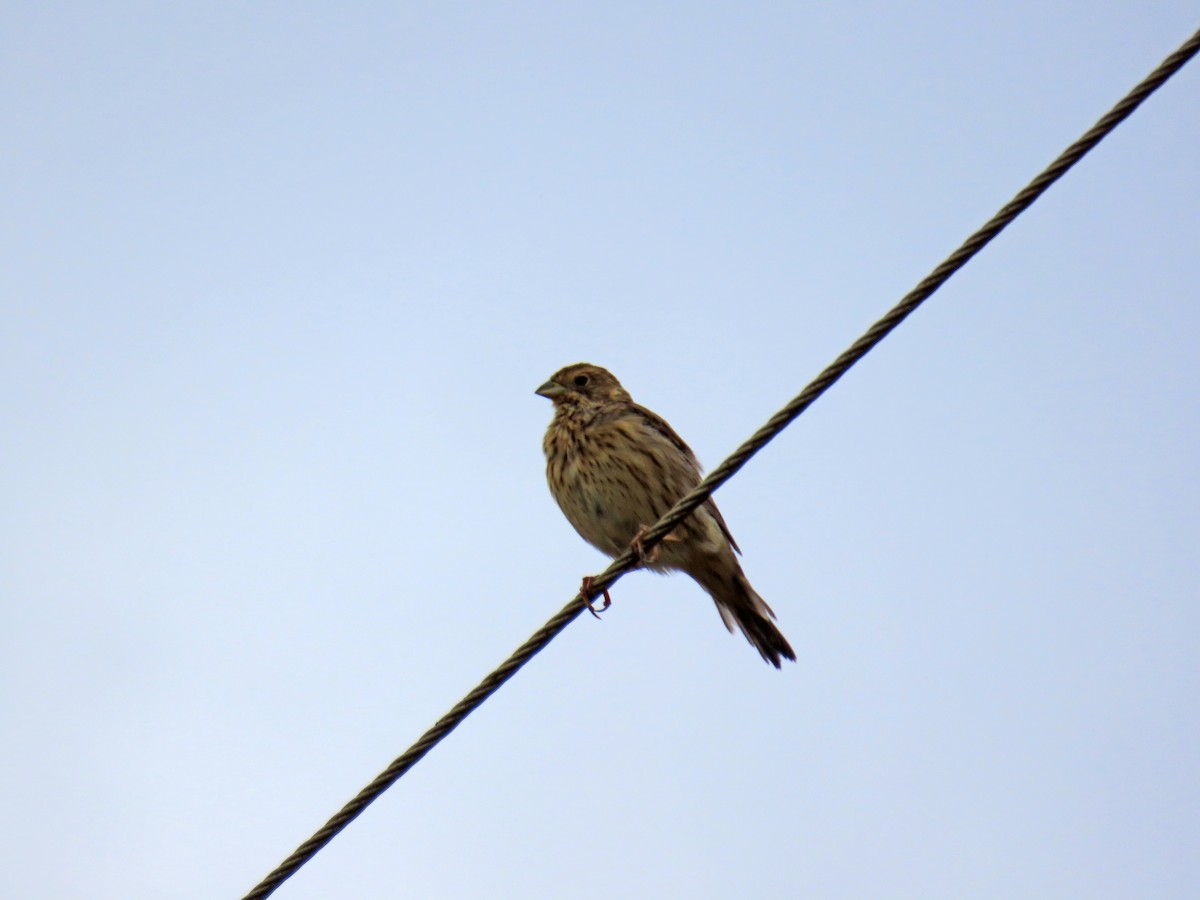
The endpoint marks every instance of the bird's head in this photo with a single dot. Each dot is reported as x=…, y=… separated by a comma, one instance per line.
x=583, y=384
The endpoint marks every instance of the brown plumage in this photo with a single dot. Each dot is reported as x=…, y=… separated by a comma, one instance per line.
x=615, y=468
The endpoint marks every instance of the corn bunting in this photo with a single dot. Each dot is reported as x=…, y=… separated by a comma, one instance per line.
x=615, y=468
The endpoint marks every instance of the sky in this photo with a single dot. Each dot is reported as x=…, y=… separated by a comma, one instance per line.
x=278, y=283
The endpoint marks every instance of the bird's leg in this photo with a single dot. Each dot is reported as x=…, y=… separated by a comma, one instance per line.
x=640, y=552
x=585, y=589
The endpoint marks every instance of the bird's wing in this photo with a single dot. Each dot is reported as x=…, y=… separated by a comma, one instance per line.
x=716, y=514
x=659, y=424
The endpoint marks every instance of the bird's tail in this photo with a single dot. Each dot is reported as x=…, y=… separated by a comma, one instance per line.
x=739, y=604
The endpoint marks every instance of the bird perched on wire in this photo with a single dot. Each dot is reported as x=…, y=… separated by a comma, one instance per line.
x=615, y=468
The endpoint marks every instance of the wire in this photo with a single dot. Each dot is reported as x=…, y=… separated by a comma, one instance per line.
x=730, y=466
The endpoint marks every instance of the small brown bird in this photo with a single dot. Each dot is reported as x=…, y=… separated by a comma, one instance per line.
x=615, y=468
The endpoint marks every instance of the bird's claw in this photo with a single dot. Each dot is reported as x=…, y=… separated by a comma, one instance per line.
x=585, y=590
x=639, y=550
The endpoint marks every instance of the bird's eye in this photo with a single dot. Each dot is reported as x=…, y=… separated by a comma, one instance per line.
x=581, y=380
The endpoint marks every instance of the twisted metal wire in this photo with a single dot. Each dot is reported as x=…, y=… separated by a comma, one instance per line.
x=722, y=473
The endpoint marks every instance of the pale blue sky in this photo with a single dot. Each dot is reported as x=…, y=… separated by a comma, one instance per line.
x=279, y=281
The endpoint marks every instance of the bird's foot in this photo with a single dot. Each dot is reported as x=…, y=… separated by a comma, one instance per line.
x=585, y=590
x=639, y=551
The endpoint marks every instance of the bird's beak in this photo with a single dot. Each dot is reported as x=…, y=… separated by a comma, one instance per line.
x=550, y=389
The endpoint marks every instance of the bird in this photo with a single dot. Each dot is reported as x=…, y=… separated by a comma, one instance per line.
x=615, y=468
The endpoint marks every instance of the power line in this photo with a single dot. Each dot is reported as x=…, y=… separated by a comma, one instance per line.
x=726, y=470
